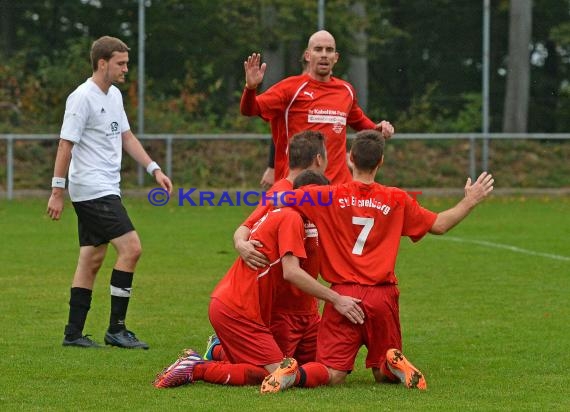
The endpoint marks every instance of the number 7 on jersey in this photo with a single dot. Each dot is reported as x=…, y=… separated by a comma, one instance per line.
x=366, y=223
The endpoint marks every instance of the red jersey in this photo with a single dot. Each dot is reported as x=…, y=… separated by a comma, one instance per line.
x=288, y=298
x=263, y=207
x=300, y=103
x=360, y=226
x=250, y=291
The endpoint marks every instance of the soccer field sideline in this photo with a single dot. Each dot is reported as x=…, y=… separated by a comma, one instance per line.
x=506, y=247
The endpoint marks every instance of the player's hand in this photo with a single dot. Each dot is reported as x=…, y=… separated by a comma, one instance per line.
x=250, y=255
x=268, y=178
x=254, y=71
x=480, y=189
x=386, y=128
x=349, y=307
x=163, y=180
x=55, y=204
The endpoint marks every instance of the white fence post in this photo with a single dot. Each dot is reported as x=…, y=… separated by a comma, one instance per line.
x=10, y=167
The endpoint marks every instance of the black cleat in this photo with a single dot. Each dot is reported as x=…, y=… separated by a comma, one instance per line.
x=81, y=342
x=124, y=339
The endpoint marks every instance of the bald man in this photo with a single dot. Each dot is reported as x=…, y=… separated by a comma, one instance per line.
x=314, y=100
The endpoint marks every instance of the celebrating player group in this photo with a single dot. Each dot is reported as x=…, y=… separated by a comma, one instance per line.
x=268, y=329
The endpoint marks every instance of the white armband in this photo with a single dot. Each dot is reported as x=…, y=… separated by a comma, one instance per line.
x=152, y=166
x=58, y=182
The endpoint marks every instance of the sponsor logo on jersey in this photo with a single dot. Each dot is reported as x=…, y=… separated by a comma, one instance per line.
x=336, y=118
x=311, y=230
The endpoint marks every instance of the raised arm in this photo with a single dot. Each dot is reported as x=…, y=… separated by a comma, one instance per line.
x=475, y=193
x=254, y=71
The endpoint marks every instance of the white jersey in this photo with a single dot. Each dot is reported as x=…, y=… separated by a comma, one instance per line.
x=94, y=122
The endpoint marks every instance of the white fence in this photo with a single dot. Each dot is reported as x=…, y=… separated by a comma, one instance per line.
x=169, y=138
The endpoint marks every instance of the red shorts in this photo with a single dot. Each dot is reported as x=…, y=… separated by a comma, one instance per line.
x=339, y=339
x=296, y=335
x=243, y=340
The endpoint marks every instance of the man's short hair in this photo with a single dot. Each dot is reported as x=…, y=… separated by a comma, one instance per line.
x=310, y=177
x=104, y=47
x=367, y=149
x=304, y=148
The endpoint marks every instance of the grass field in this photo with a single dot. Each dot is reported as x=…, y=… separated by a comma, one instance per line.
x=484, y=312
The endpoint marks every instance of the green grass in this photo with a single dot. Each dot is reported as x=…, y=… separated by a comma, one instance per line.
x=488, y=326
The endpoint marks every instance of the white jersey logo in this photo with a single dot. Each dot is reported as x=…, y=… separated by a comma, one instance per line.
x=310, y=94
x=311, y=230
x=335, y=118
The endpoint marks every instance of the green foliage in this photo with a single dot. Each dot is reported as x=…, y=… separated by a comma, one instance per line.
x=195, y=50
x=45, y=87
x=561, y=35
x=440, y=163
x=426, y=114
x=424, y=61
x=563, y=110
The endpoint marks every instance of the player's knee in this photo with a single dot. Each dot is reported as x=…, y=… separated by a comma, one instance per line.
x=136, y=251
x=132, y=254
x=91, y=262
x=129, y=248
x=95, y=263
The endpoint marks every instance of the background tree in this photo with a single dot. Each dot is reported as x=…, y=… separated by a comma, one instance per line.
x=518, y=72
x=423, y=59
x=358, y=69
x=549, y=106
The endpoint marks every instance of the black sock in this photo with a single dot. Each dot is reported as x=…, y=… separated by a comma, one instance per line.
x=121, y=283
x=79, y=305
x=302, y=377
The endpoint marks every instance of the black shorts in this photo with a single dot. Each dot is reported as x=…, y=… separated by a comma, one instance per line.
x=100, y=220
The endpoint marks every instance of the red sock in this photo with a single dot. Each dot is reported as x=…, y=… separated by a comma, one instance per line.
x=224, y=373
x=311, y=375
x=218, y=353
